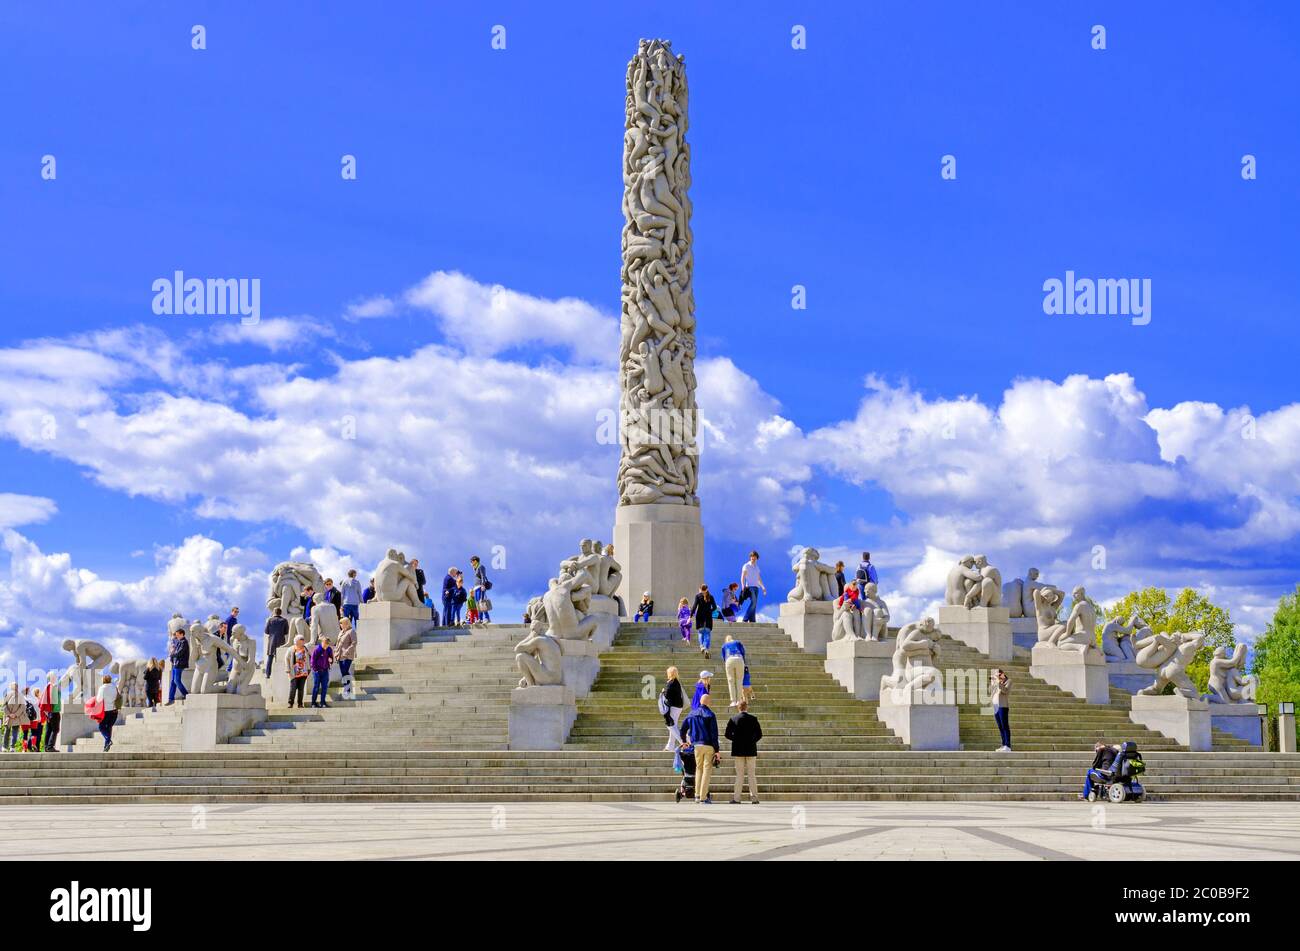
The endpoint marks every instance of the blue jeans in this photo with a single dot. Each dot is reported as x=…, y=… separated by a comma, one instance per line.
x=706, y=637
x=320, y=682
x=479, y=594
x=353, y=613
x=448, y=609
x=1093, y=776
x=1002, y=716
x=642, y=616
x=750, y=600
x=176, y=684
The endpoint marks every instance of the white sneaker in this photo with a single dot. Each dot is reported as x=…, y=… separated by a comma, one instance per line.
x=1003, y=749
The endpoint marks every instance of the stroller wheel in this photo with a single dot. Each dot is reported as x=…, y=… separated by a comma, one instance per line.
x=1116, y=793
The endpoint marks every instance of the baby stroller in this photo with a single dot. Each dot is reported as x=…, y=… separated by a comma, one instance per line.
x=687, y=788
x=1120, y=782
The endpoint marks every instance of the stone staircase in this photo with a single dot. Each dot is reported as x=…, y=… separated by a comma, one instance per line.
x=1046, y=718
x=801, y=706
x=449, y=689
x=430, y=726
x=140, y=730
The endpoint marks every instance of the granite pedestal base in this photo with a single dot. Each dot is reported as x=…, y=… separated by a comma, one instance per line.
x=75, y=725
x=808, y=624
x=607, y=630
x=541, y=717
x=581, y=660
x=858, y=665
x=1239, y=719
x=923, y=720
x=1082, y=673
x=661, y=549
x=210, y=719
x=1024, y=632
x=1129, y=677
x=988, y=630
x=1182, y=719
x=385, y=626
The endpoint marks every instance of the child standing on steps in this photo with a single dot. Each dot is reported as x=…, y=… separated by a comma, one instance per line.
x=684, y=619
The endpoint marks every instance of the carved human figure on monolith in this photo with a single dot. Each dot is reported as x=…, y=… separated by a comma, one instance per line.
x=986, y=591
x=289, y=580
x=130, y=681
x=1079, y=633
x=846, y=623
x=961, y=578
x=1229, y=682
x=243, y=661
x=1047, y=611
x=209, y=673
x=1018, y=594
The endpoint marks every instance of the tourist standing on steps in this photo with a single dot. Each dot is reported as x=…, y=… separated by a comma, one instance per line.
x=352, y=593
x=730, y=604
x=1000, y=687
x=420, y=579
x=481, y=588
x=109, y=697
x=297, y=663
x=153, y=683
x=322, y=657
x=54, y=711
x=751, y=583
x=702, y=611
x=459, y=596
x=448, y=596
x=277, y=635
x=333, y=596
x=744, y=732
x=866, y=572
x=368, y=594
x=684, y=620
x=672, y=702
x=702, y=686
x=179, y=655
x=733, y=663
x=839, y=577
x=347, y=653
x=701, y=728
x=15, y=717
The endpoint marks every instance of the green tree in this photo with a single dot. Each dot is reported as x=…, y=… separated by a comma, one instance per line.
x=1277, y=654
x=1189, y=611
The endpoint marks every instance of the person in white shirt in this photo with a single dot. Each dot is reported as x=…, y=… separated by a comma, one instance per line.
x=108, y=695
x=751, y=582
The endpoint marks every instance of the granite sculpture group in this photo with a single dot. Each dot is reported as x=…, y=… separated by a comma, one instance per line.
x=565, y=613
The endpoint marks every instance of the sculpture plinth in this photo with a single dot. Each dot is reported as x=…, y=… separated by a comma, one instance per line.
x=385, y=626
x=1182, y=719
x=988, y=630
x=1240, y=719
x=662, y=551
x=808, y=623
x=541, y=717
x=1082, y=673
x=857, y=665
x=210, y=719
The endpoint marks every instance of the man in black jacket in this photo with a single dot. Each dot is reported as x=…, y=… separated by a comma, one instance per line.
x=744, y=732
x=277, y=635
x=419, y=579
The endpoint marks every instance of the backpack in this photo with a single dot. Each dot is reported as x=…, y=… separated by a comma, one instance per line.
x=860, y=575
x=663, y=703
x=32, y=713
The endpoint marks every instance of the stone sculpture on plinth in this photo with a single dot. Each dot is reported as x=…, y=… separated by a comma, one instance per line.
x=1118, y=637
x=89, y=661
x=1229, y=682
x=973, y=612
x=846, y=623
x=808, y=615
x=1018, y=599
x=1168, y=655
x=289, y=580
x=875, y=613
x=243, y=658
x=657, y=526
x=913, y=701
x=813, y=580
x=395, y=615
x=130, y=681
x=538, y=656
x=205, y=655
x=1066, y=655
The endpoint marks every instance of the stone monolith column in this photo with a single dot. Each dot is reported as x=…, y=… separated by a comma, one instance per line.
x=658, y=537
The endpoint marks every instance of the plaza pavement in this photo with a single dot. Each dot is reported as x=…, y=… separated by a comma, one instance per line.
x=531, y=831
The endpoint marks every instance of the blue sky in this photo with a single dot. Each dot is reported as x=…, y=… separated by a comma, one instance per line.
x=818, y=167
